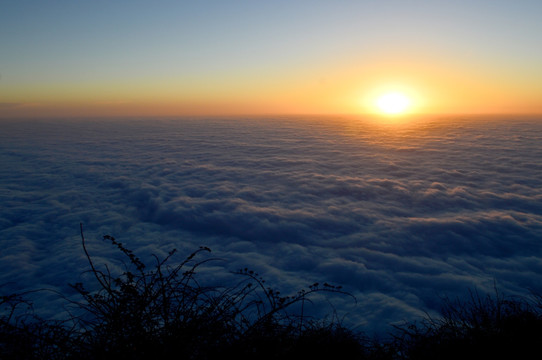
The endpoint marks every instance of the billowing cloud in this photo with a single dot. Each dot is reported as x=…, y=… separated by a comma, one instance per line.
x=397, y=214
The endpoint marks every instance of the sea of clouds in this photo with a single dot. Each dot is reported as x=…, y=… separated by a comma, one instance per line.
x=398, y=213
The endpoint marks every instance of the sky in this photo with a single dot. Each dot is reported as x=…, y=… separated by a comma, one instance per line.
x=171, y=58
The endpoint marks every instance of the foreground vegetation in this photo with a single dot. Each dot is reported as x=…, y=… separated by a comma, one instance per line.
x=165, y=312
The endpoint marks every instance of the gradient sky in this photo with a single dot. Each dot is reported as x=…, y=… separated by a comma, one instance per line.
x=74, y=58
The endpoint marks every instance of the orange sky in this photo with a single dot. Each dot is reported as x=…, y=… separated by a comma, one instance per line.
x=249, y=58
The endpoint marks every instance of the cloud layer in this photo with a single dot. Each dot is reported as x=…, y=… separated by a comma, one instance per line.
x=398, y=214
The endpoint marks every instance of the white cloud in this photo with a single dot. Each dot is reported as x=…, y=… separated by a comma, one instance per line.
x=396, y=216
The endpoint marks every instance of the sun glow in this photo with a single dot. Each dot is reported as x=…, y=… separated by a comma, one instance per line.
x=393, y=103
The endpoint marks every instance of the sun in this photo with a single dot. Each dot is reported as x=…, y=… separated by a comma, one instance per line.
x=393, y=103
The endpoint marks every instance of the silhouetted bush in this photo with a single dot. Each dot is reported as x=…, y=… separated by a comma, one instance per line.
x=24, y=335
x=144, y=313
x=481, y=327
x=165, y=312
